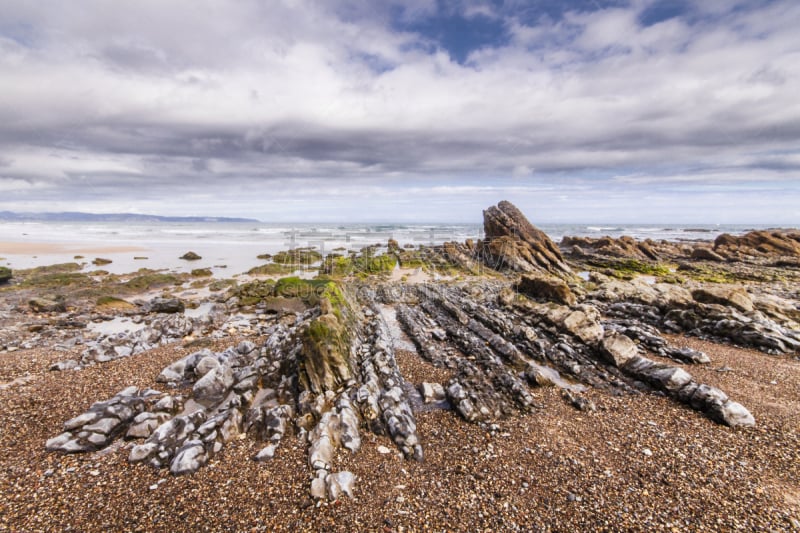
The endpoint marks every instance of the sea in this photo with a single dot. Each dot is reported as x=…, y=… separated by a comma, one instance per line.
x=229, y=248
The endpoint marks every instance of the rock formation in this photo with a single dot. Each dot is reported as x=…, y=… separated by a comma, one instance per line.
x=327, y=371
x=513, y=243
x=759, y=244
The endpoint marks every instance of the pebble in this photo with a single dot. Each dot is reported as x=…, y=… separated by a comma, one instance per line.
x=647, y=451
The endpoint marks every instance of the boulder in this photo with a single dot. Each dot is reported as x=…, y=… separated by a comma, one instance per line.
x=206, y=365
x=512, y=242
x=618, y=349
x=165, y=305
x=544, y=287
x=190, y=256
x=213, y=387
x=189, y=458
x=5, y=274
x=47, y=305
x=340, y=483
x=728, y=296
x=584, y=326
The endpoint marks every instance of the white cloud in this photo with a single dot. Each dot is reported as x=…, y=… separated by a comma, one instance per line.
x=214, y=93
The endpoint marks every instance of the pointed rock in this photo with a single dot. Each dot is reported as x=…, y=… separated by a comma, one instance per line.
x=512, y=242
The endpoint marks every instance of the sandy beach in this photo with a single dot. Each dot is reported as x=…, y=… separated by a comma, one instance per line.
x=50, y=248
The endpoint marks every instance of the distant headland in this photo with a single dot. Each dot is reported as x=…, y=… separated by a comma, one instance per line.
x=70, y=216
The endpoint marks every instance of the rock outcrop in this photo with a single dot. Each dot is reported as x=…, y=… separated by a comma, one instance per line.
x=325, y=370
x=623, y=247
x=513, y=243
x=759, y=244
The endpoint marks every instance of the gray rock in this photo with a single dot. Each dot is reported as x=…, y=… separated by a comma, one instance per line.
x=319, y=488
x=143, y=425
x=734, y=415
x=60, y=366
x=189, y=459
x=340, y=483
x=56, y=443
x=106, y=426
x=141, y=452
x=206, y=365
x=165, y=305
x=266, y=453
x=213, y=387
x=618, y=349
x=432, y=392
x=81, y=420
x=670, y=378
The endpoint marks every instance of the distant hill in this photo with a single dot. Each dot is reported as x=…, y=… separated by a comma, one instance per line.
x=109, y=217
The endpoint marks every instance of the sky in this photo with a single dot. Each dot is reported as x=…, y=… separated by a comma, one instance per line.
x=621, y=111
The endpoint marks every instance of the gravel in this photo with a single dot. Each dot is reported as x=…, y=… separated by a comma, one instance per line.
x=556, y=469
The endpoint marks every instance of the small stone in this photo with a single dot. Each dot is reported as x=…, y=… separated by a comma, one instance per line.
x=318, y=488
x=268, y=452
x=383, y=450
x=648, y=452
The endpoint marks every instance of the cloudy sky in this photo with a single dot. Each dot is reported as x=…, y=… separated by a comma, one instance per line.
x=428, y=110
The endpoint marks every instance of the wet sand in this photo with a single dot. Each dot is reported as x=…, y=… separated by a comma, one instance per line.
x=46, y=248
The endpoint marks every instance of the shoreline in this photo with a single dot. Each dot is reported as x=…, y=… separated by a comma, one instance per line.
x=52, y=248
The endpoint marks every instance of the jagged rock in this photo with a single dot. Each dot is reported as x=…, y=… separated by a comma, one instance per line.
x=734, y=414
x=326, y=355
x=189, y=458
x=779, y=309
x=266, y=453
x=583, y=325
x=760, y=244
x=624, y=247
x=548, y=288
x=102, y=423
x=144, y=424
x=687, y=355
x=513, y=242
x=328, y=373
x=735, y=297
x=214, y=386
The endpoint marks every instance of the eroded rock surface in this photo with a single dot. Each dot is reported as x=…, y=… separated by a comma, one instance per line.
x=512, y=242
x=327, y=371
